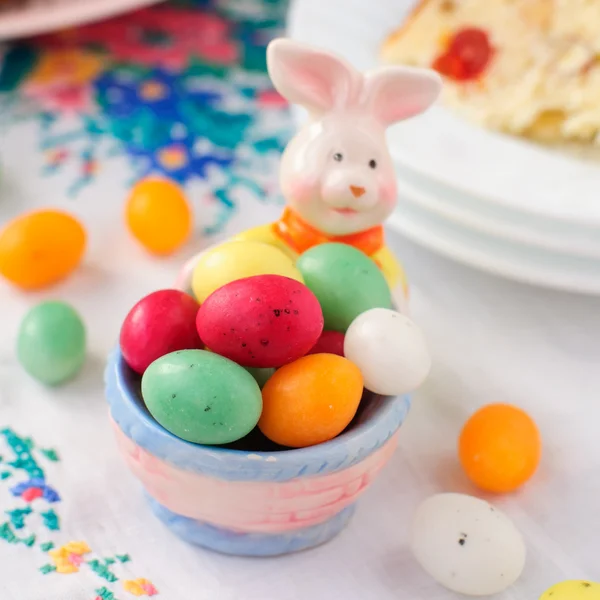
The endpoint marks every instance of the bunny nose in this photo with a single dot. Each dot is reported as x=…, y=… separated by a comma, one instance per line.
x=357, y=191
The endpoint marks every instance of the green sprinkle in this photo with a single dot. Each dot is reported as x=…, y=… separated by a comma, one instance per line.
x=123, y=558
x=17, y=516
x=7, y=534
x=21, y=448
x=46, y=546
x=105, y=594
x=28, y=465
x=51, y=520
x=102, y=571
x=47, y=569
x=50, y=454
x=109, y=561
x=5, y=475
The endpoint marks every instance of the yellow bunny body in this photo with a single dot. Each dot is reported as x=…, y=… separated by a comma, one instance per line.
x=387, y=262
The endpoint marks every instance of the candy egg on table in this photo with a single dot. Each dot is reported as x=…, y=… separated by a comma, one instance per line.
x=158, y=215
x=51, y=343
x=390, y=351
x=41, y=248
x=237, y=260
x=261, y=321
x=202, y=397
x=573, y=590
x=467, y=545
x=310, y=400
x=346, y=282
x=499, y=448
x=160, y=323
x=330, y=342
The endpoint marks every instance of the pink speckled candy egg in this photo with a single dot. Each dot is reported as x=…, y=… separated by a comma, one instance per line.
x=160, y=323
x=261, y=321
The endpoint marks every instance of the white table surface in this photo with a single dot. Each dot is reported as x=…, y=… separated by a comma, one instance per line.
x=491, y=340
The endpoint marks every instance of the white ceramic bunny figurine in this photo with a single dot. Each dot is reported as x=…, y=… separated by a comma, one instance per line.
x=337, y=176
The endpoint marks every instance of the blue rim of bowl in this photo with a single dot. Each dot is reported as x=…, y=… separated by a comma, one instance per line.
x=381, y=418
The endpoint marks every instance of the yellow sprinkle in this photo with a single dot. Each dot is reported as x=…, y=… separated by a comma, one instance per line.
x=64, y=556
x=140, y=587
x=77, y=548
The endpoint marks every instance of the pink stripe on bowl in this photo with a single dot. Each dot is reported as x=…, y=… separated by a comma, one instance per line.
x=246, y=506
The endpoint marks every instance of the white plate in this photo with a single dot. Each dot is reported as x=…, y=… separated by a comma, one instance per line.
x=33, y=17
x=495, y=256
x=496, y=168
x=505, y=226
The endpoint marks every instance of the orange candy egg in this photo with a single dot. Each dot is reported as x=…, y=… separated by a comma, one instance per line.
x=499, y=448
x=158, y=215
x=310, y=400
x=41, y=248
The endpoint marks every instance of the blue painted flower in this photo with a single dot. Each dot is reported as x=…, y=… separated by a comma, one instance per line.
x=123, y=92
x=158, y=116
x=35, y=488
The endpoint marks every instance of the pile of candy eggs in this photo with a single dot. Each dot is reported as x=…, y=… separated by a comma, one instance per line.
x=265, y=344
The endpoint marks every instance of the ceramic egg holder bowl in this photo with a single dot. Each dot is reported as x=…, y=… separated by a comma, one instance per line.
x=253, y=497
x=252, y=503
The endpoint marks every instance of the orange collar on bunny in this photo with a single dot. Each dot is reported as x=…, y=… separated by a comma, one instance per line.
x=300, y=236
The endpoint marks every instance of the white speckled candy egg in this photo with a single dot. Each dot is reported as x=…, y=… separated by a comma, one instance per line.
x=390, y=351
x=467, y=545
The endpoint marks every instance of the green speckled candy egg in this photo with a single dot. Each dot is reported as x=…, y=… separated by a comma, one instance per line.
x=345, y=281
x=202, y=397
x=51, y=342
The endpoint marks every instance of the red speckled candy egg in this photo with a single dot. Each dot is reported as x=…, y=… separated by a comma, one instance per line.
x=330, y=342
x=261, y=321
x=160, y=323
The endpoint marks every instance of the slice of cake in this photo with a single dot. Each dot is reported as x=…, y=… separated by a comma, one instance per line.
x=526, y=67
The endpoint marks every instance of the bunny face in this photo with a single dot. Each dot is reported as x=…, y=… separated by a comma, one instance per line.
x=338, y=176
x=337, y=173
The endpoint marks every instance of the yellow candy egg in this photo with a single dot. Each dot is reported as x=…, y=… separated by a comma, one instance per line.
x=40, y=248
x=159, y=215
x=573, y=590
x=237, y=260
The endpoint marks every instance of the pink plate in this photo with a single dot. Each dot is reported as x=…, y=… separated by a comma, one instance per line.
x=21, y=18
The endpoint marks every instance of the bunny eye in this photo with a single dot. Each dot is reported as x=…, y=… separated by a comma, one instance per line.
x=373, y=164
x=338, y=156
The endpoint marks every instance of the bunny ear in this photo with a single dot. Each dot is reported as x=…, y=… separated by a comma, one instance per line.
x=313, y=78
x=392, y=94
